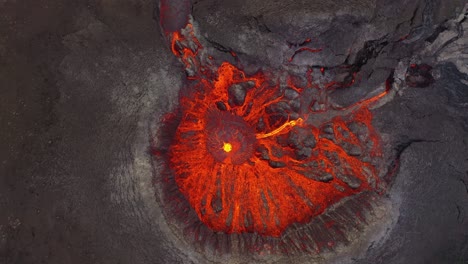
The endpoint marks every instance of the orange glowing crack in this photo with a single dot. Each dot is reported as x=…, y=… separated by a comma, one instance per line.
x=287, y=125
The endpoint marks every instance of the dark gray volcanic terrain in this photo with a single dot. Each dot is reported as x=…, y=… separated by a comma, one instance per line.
x=83, y=85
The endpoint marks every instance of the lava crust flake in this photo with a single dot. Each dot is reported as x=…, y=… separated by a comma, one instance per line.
x=248, y=154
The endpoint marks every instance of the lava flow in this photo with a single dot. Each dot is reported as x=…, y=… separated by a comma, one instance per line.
x=247, y=155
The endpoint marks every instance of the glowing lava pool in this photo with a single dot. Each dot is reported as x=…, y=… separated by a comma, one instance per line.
x=252, y=154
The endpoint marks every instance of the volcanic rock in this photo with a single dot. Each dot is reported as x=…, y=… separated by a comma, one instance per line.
x=350, y=180
x=221, y=106
x=295, y=105
x=321, y=177
x=290, y=94
x=276, y=164
x=248, y=220
x=277, y=152
x=309, y=141
x=316, y=106
x=456, y=50
x=260, y=125
x=328, y=132
x=237, y=95
x=262, y=152
x=419, y=76
x=294, y=139
x=303, y=153
x=217, y=205
x=352, y=149
x=360, y=130
x=328, y=129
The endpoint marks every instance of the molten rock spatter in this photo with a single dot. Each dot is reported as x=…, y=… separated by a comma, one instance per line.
x=247, y=157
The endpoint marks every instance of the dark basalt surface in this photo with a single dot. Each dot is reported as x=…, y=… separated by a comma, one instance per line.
x=83, y=82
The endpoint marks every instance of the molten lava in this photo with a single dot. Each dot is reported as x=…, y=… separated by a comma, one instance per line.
x=227, y=147
x=246, y=162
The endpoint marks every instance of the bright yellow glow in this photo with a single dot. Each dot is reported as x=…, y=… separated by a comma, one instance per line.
x=281, y=128
x=227, y=147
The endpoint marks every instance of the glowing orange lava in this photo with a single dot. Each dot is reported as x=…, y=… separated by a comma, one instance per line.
x=246, y=168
